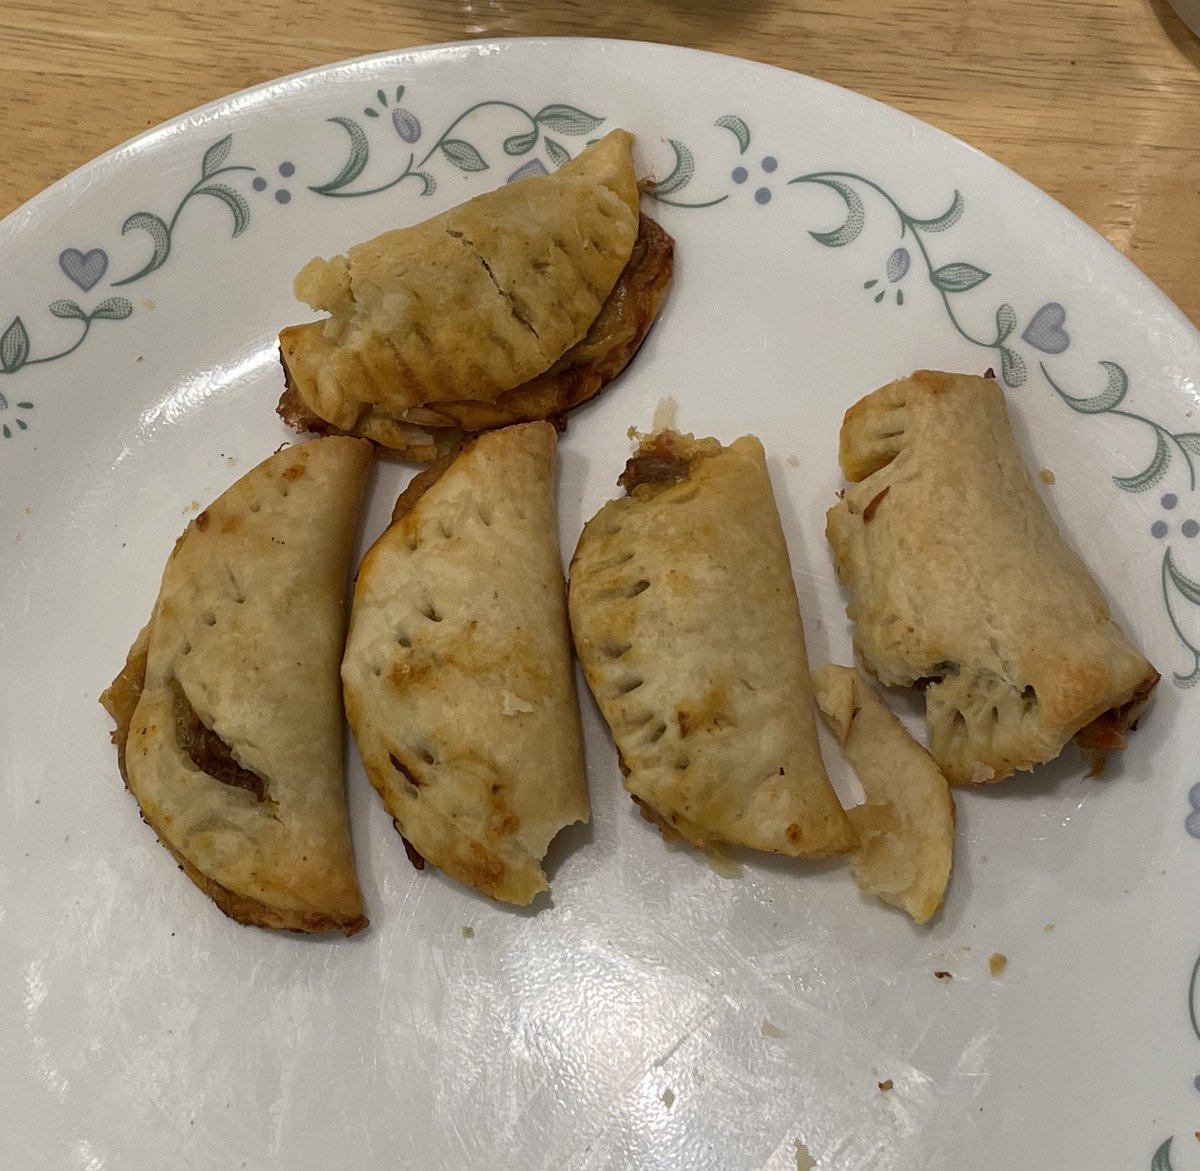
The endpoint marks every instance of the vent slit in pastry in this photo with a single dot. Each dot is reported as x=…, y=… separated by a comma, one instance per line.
x=717, y=741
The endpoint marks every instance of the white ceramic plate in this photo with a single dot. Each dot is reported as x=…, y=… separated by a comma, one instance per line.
x=652, y=1014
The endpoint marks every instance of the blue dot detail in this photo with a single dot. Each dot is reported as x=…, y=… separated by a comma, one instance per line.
x=1190, y=528
x=762, y=195
x=259, y=184
x=1196, y=1081
x=287, y=170
x=1169, y=500
x=769, y=164
x=1158, y=529
x=740, y=174
x=283, y=196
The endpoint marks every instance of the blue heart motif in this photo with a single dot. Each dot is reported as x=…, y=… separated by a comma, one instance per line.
x=1192, y=822
x=84, y=268
x=1045, y=329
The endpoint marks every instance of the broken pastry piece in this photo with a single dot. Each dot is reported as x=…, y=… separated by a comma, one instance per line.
x=961, y=585
x=687, y=627
x=906, y=824
x=518, y=305
x=458, y=678
x=228, y=711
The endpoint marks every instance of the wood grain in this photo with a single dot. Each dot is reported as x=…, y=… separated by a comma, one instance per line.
x=1097, y=103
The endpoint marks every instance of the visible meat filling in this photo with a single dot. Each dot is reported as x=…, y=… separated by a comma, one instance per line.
x=1107, y=732
x=657, y=461
x=209, y=753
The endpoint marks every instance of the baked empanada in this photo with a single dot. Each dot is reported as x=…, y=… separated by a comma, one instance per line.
x=518, y=304
x=458, y=679
x=426, y=433
x=906, y=824
x=229, y=714
x=687, y=627
x=960, y=584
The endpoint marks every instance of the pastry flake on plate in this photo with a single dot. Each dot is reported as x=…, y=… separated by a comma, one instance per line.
x=688, y=629
x=960, y=584
x=458, y=677
x=906, y=824
x=229, y=714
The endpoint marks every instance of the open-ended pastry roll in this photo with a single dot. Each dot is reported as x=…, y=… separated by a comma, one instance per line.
x=961, y=585
x=458, y=678
x=517, y=305
x=686, y=624
x=228, y=711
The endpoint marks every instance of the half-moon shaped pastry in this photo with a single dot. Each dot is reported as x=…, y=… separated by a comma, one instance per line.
x=960, y=584
x=687, y=627
x=229, y=714
x=426, y=433
x=906, y=824
x=519, y=304
x=458, y=678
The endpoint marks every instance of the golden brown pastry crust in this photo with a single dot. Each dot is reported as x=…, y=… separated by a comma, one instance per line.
x=961, y=584
x=687, y=627
x=425, y=433
x=458, y=678
x=477, y=300
x=906, y=824
x=242, y=651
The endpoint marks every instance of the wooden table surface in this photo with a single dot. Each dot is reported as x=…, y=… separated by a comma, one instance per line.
x=1097, y=103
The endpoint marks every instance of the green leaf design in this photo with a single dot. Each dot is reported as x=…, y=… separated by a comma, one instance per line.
x=946, y=220
x=737, y=128
x=160, y=237
x=1162, y=1157
x=557, y=152
x=463, y=155
x=521, y=144
x=14, y=347
x=67, y=309
x=566, y=119
x=112, y=309
x=1012, y=368
x=1184, y=584
x=1154, y=471
x=429, y=181
x=958, y=277
x=1189, y=441
x=856, y=215
x=233, y=200
x=1006, y=322
x=1109, y=398
x=681, y=174
x=215, y=156
x=360, y=152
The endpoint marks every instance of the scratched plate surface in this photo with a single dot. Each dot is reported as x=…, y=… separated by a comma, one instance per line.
x=650, y=1013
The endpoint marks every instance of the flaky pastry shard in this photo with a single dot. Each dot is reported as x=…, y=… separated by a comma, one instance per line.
x=687, y=626
x=518, y=304
x=960, y=584
x=906, y=824
x=228, y=711
x=458, y=678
